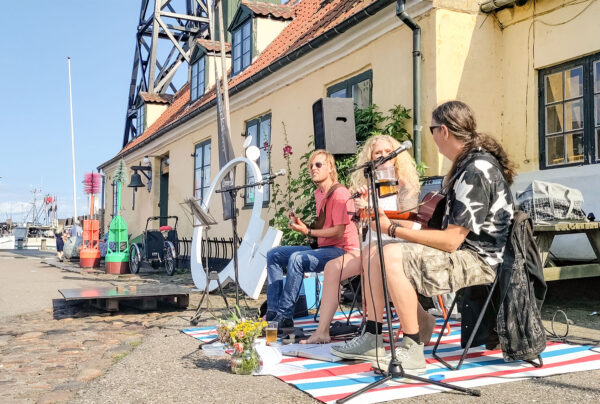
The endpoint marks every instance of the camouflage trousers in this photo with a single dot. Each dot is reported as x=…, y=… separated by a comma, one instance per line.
x=433, y=272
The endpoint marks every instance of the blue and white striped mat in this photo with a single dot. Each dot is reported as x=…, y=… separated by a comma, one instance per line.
x=329, y=382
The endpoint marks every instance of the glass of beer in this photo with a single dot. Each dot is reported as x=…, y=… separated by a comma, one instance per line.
x=386, y=181
x=271, y=331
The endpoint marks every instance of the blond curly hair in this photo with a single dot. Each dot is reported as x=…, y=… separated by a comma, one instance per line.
x=405, y=166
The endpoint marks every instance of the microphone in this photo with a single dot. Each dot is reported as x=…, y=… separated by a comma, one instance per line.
x=406, y=145
x=355, y=195
x=275, y=174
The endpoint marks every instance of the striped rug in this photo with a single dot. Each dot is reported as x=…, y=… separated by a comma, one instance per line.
x=329, y=382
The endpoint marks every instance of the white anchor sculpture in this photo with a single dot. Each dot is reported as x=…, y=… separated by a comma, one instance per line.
x=252, y=253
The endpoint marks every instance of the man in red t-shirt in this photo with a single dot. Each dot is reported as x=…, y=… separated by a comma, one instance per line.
x=337, y=236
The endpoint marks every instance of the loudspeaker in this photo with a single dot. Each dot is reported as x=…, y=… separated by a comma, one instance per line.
x=333, y=123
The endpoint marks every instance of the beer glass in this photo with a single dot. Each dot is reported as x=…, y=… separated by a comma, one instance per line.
x=271, y=331
x=386, y=181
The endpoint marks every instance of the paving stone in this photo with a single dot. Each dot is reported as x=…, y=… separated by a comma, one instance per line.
x=70, y=385
x=30, y=335
x=90, y=374
x=59, y=396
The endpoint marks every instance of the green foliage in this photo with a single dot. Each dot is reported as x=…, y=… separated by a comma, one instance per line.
x=297, y=192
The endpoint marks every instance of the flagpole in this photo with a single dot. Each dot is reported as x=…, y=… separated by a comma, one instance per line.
x=224, y=67
x=72, y=145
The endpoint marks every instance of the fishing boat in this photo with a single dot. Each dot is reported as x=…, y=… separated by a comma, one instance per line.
x=37, y=237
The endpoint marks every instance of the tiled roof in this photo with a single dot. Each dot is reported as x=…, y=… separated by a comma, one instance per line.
x=312, y=18
x=157, y=98
x=213, y=45
x=270, y=10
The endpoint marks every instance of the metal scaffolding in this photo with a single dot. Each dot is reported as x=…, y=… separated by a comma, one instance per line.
x=174, y=23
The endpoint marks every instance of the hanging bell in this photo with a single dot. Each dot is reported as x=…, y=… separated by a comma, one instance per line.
x=136, y=181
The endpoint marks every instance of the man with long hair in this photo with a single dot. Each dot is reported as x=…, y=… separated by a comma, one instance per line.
x=337, y=235
x=465, y=252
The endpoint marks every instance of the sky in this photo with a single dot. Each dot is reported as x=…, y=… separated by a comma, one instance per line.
x=36, y=37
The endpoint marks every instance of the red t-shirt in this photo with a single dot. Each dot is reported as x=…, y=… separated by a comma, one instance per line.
x=337, y=213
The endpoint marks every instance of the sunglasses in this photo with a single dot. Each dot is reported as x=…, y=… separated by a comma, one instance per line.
x=318, y=164
x=431, y=128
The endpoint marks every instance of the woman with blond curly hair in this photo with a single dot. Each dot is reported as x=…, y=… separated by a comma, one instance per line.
x=349, y=264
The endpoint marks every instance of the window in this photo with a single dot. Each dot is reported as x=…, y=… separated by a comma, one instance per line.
x=570, y=113
x=201, y=169
x=358, y=88
x=197, y=78
x=140, y=120
x=260, y=130
x=242, y=47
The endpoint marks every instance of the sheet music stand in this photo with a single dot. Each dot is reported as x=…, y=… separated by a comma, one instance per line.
x=207, y=220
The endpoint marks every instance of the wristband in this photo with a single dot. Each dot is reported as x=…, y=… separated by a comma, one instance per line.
x=416, y=226
x=308, y=233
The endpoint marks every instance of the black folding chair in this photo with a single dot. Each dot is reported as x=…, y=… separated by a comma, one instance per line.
x=480, y=318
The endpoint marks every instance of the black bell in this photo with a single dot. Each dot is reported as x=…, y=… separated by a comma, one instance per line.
x=136, y=181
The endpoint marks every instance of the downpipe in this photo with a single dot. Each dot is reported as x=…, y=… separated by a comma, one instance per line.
x=417, y=127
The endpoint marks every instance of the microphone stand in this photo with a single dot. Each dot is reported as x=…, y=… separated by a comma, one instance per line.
x=233, y=194
x=395, y=369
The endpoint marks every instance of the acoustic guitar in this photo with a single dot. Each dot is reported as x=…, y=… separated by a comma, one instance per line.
x=429, y=212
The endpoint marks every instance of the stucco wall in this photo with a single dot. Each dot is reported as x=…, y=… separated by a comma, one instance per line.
x=557, y=34
x=266, y=30
x=466, y=55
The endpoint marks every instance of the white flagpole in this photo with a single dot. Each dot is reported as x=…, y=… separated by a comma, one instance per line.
x=72, y=145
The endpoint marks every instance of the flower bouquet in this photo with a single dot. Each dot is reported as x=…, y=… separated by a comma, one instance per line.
x=240, y=333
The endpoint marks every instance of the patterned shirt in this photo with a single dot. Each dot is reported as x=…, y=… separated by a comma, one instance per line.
x=481, y=202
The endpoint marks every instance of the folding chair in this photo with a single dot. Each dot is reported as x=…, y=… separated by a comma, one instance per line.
x=473, y=332
x=354, y=300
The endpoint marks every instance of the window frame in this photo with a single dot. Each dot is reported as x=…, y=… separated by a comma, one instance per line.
x=200, y=90
x=347, y=85
x=199, y=152
x=590, y=148
x=140, y=120
x=258, y=121
x=235, y=50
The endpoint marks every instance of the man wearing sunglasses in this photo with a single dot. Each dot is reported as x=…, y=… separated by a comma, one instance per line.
x=337, y=235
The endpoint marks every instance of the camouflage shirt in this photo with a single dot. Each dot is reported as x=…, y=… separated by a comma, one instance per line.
x=481, y=202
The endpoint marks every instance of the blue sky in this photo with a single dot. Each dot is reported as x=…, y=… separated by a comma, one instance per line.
x=36, y=37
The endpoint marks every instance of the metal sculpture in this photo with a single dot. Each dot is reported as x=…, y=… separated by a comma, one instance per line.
x=252, y=251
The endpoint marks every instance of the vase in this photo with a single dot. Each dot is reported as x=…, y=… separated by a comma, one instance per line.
x=245, y=362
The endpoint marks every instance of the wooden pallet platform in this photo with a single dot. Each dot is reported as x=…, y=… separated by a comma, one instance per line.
x=143, y=297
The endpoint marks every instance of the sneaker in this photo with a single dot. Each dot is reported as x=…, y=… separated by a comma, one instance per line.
x=366, y=347
x=410, y=354
x=284, y=325
x=270, y=316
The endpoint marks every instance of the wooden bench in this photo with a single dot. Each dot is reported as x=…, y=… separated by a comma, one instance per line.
x=545, y=235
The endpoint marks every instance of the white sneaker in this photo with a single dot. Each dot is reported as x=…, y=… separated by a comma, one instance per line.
x=367, y=347
x=410, y=354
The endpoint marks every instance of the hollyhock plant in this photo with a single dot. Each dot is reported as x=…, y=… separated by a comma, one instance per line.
x=287, y=151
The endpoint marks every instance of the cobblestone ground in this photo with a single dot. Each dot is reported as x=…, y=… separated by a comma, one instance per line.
x=47, y=356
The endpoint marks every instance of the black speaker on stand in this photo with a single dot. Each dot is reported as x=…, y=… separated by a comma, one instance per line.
x=333, y=123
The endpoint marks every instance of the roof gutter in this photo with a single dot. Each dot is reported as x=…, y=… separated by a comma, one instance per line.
x=267, y=71
x=493, y=5
x=405, y=18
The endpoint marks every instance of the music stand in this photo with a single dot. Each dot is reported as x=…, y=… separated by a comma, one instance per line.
x=395, y=369
x=207, y=220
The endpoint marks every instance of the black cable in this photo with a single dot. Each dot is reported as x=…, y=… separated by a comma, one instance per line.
x=551, y=335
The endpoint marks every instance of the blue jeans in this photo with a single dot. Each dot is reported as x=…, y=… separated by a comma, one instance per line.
x=298, y=260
